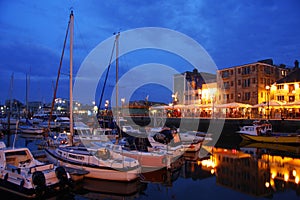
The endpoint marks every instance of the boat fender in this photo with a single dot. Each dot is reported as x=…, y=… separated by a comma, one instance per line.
x=38, y=178
x=39, y=181
x=62, y=176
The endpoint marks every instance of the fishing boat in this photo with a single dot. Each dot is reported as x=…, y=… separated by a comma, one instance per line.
x=101, y=163
x=274, y=138
x=23, y=175
x=262, y=132
x=258, y=127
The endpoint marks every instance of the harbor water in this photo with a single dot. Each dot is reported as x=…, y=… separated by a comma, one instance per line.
x=233, y=169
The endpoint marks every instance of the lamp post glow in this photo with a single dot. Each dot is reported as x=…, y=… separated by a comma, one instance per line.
x=123, y=102
x=268, y=100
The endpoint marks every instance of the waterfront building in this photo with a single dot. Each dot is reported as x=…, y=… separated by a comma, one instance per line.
x=261, y=85
x=188, y=86
x=287, y=91
x=247, y=83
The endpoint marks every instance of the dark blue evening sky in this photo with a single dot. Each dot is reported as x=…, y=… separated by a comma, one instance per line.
x=233, y=32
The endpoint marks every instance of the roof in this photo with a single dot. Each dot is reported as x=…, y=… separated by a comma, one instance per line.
x=293, y=76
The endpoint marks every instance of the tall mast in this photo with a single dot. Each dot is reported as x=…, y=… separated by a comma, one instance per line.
x=117, y=79
x=27, y=93
x=71, y=75
x=10, y=108
x=58, y=73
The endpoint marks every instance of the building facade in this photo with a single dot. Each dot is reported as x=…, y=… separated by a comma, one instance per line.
x=188, y=86
x=247, y=83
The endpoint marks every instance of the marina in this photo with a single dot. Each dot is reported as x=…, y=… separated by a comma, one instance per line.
x=207, y=175
x=137, y=110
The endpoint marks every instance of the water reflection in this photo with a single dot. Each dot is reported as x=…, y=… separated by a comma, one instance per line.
x=102, y=189
x=248, y=171
x=259, y=171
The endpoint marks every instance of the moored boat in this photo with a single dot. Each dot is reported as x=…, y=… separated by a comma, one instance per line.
x=169, y=138
x=148, y=157
x=274, y=138
x=261, y=131
x=23, y=175
x=101, y=163
x=258, y=127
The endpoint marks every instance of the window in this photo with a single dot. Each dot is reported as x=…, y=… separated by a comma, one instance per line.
x=239, y=70
x=291, y=98
x=239, y=82
x=231, y=96
x=253, y=80
x=246, y=70
x=267, y=70
x=225, y=96
x=247, y=96
x=226, y=85
x=246, y=82
x=231, y=83
x=280, y=87
x=280, y=98
x=225, y=74
x=291, y=88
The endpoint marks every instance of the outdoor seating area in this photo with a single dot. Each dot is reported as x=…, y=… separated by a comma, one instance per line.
x=268, y=110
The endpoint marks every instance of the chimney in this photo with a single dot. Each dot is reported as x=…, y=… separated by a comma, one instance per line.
x=296, y=64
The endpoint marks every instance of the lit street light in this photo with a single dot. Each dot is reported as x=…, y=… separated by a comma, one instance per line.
x=268, y=100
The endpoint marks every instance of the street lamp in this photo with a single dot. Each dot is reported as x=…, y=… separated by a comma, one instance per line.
x=268, y=100
x=106, y=105
x=123, y=102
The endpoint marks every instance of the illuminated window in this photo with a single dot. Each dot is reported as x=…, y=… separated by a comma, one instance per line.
x=280, y=87
x=280, y=98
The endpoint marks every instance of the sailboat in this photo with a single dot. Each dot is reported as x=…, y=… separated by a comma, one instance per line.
x=132, y=142
x=101, y=163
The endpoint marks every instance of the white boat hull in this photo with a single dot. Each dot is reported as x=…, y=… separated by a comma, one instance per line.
x=95, y=171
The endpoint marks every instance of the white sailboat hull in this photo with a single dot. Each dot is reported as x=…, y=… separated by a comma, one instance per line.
x=96, y=169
